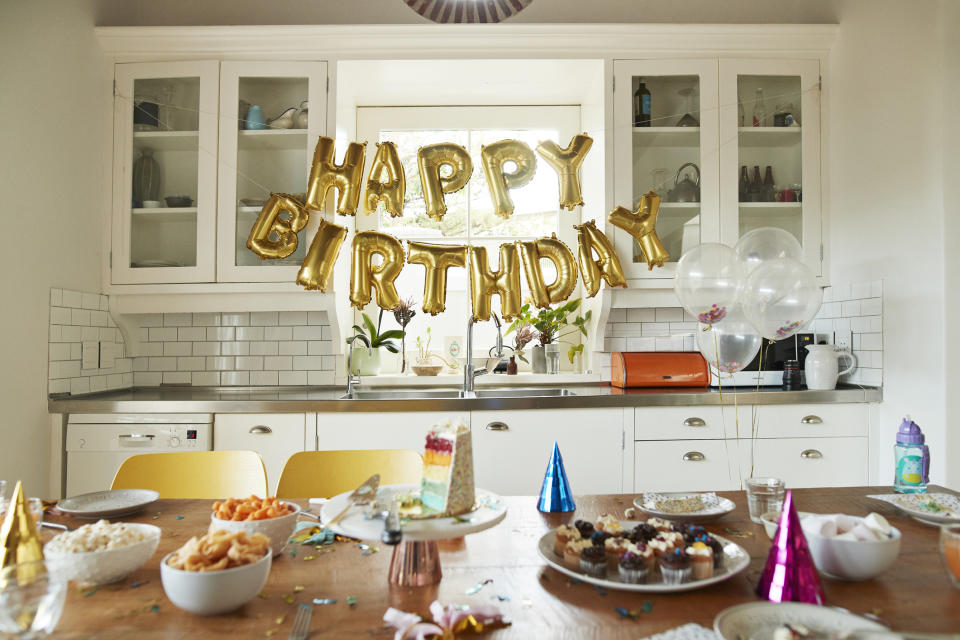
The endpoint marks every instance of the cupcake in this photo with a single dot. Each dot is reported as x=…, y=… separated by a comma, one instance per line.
x=673, y=538
x=643, y=532
x=609, y=524
x=585, y=528
x=593, y=561
x=645, y=553
x=701, y=560
x=573, y=551
x=615, y=547
x=564, y=535
x=660, y=524
x=660, y=546
x=675, y=567
x=689, y=532
x=599, y=538
x=633, y=568
x=716, y=547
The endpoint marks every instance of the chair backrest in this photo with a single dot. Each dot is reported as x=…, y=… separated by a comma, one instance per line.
x=323, y=474
x=195, y=474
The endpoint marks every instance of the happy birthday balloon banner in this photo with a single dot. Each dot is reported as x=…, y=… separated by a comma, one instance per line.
x=274, y=234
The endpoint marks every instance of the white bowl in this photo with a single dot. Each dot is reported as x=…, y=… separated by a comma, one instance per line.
x=279, y=530
x=208, y=593
x=771, y=521
x=109, y=565
x=854, y=559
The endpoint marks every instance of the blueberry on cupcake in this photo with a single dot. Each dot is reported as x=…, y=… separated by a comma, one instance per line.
x=585, y=528
x=643, y=532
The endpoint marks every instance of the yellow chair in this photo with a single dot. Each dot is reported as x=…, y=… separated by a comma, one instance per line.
x=195, y=474
x=323, y=474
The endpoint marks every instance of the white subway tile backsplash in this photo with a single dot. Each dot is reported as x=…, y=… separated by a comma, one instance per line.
x=235, y=348
x=163, y=334
x=56, y=297
x=206, y=348
x=235, y=378
x=270, y=378
x=295, y=348
x=191, y=334
x=656, y=328
x=190, y=363
x=872, y=307
x=308, y=333
x=278, y=333
x=151, y=320
x=177, y=319
x=88, y=334
x=871, y=341
x=60, y=315
x=641, y=344
x=617, y=315
x=320, y=377
x=279, y=363
x=250, y=363
x=263, y=349
x=669, y=314
x=317, y=318
x=98, y=383
x=641, y=315
x=98, y=318
x=205, y=378
x=151, y=348
x=72, y=299
x=223, y=334
x=177, y=348
x=235, y=319
x=292, y=377
x=318, y=347
x=162, y=364
x=80, y=317
x=71, y=334
x=55, y=333
x=220, y=364
x=147, y=378
x=307, y=363
x=250, y=333
x=79, y=385
x=293, y=318
x=59, y=351
x=90, y=301
x=176, y=377
x=850, y=308
x=206, y=319
x=264, y=318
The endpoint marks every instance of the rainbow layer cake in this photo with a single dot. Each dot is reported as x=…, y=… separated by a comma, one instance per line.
x=447, y=487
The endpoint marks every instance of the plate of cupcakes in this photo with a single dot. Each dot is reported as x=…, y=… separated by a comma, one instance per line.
x=656, y=556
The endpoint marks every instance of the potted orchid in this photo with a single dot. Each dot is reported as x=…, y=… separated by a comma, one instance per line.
x=364, y=362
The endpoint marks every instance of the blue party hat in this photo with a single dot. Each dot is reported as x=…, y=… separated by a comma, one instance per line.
x=555, y=495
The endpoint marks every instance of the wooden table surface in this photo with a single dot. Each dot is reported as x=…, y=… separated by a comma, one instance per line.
x=915, y=594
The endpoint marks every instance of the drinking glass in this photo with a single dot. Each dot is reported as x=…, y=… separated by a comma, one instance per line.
x=764, y=495
x=31, y=598
x=552, y=352
x=950, y=551
x=35, y=507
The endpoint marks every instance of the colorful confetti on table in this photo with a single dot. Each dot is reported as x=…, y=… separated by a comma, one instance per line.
x=738, y=534
x=280, y=619
x=324, y=601
x=262, y=595
x=179, y=517
x=138, y=584
x=500, y=598
x=271, y=632
x=293, y=553
x=647, y=606
x=351, y=600
x=476, y=588
x=155, y=608
x=600, y=589
x=289, y=598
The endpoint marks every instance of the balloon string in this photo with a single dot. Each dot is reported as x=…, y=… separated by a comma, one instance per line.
x=723, y=414
x=754, y=423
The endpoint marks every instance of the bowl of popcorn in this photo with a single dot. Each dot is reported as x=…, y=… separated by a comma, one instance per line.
x=851, y=548
x=216, y=573
x=103, y=552
x=271, y=517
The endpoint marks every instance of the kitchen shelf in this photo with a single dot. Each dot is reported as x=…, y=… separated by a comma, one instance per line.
x=166, y=214
x=781, y=207
x=272, y=139
x=679, y=205
x=166, y=140
x=769, y=136
x=667, y=136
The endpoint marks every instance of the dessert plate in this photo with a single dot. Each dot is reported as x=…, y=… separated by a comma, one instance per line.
x=685, y=506
x=108, y=504
x=360, y=522
x=931, y=508
x=759, y=620
x=736, y=559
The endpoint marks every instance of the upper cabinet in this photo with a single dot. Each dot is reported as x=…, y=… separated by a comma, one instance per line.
x=685, y=129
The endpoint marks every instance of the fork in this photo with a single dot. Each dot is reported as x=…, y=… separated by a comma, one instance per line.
x=301, y=624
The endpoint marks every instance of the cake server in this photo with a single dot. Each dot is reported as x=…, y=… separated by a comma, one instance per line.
x=392, y=533
x=364, y=494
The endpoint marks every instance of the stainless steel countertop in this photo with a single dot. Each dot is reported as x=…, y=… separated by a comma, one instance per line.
x=326, y=399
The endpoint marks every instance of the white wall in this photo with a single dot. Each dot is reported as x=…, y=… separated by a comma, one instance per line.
x=52, y=103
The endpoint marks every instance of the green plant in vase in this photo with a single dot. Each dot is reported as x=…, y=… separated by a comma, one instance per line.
x=364, y=363
x=425, y=358
x=551, y=326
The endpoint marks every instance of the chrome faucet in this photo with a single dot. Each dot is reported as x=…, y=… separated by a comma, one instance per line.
x=469, y=372
x=351, y=380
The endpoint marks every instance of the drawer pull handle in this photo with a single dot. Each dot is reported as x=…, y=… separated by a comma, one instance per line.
x=260, y=428
x=811, y=420
x=140, y=437
x=811, y=454
x=694, y=456
x=498, y=426
x=694, y=422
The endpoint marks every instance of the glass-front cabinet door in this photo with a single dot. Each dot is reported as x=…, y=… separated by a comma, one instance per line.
x=666, y=138
x=271, y=114
x=165, y=155
x=770, y=150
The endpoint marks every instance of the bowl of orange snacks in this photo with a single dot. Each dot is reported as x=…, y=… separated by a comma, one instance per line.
x=271, y=517
x=216, y=573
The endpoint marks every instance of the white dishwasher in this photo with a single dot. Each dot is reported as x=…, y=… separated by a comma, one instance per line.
x=97, y=443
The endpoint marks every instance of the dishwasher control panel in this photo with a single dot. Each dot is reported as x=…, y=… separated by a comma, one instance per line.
x=150, y=437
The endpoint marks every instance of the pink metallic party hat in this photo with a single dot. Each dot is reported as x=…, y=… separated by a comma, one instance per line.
x=789, y=575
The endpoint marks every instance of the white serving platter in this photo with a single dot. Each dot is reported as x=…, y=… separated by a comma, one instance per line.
x=717, y=506
x=911, y=504
x=758, y=620
x=108, y=504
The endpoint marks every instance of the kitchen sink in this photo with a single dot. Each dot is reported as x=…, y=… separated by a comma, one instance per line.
x=403, y=394
x=533, y=392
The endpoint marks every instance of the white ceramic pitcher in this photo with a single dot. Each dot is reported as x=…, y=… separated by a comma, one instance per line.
x=822, y=366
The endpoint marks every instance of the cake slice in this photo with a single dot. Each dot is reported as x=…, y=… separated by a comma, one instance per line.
x=447, y=486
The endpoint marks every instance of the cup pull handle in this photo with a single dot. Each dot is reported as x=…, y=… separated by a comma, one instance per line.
x=694, y=422
x=137, y=437
x=498, y=426
x=694, y=456
x=260, y=429
x=811, y=419
x=810, y=454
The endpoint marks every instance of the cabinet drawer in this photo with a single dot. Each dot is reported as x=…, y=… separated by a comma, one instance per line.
x=688, y=465
x=275, y=436
x=810, y=420
x=683, y=423
x=392, y=430
x=810, y=462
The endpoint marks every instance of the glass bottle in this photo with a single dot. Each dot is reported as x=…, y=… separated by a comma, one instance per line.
x=759, y=111
x=769, y=189
x=756, y=187
x=743, y=189
x=146, y=178
x=912, y=459
x=512, y=366
x=641, y=106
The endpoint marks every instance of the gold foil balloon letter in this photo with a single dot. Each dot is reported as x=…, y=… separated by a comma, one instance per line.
x=493, y=157
x=430, y=159
x=346, y=177
x=607, y=266
x=566, y=162
x=642, y=225
x=437, y=259
x=484, y=283
x=320, y=259
x=364, y=274
x=394, y=189
x=272, y=236
x=559, y=254
x=19, y=540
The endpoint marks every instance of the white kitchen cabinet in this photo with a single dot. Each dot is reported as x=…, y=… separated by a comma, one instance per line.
x=684, y=423
x=381, y=430
x=684, y=465
x=808, y=462
x=809, y=420
x=275, y=436
x=512, y=448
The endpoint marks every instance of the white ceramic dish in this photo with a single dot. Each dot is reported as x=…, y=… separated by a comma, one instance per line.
x=716, y=509
x=912, y=505
x=854, y=559
x=358, y=524
x=208, y=593
x=109, y=565
x=771, y=521
x=279, y=530
x=758, y=620
x=108, y=504
x=736, y=560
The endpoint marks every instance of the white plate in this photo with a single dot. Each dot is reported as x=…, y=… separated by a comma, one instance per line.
x=909, y=503
x=736, y=560
x=758, y=620
x=358, y=524
x=722, y=507
x=108, y=504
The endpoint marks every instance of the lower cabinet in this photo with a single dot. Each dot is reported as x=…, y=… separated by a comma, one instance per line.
x=275, y=436
x=684, y=465
x=809, y=462
x=392, y=430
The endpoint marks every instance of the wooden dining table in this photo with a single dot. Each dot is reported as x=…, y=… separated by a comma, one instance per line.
x=501, y=566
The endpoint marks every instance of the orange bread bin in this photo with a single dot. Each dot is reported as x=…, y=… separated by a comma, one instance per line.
x=658, y=369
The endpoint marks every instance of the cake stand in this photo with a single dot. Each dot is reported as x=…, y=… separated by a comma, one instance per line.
x=416, y=560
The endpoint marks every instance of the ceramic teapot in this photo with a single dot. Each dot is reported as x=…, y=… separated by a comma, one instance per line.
x=822, y=366
x=685, y=190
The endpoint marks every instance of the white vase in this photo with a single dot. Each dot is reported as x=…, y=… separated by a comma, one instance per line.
x=538, y=360
x=364, y=363
x=822, y=367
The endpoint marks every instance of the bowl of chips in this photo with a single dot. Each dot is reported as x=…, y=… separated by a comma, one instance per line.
x=103, y=552
x=216, y=573
x=271, y=517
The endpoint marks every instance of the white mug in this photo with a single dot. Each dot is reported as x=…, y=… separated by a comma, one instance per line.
x=822, y=368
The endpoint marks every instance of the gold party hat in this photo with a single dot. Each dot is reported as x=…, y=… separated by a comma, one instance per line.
x=19, y=540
